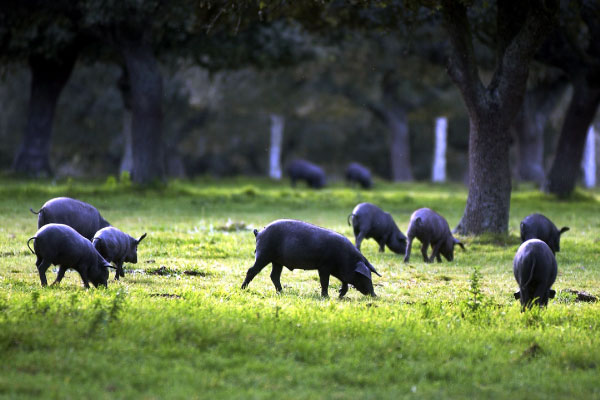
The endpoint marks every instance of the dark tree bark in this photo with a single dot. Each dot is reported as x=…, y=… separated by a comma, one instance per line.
x=392, y=112
x=583, y=68
x=48, y=78
x=529, y=125
x=146, y=105
x=520, y=29
x=567, y=162
x=125, y=90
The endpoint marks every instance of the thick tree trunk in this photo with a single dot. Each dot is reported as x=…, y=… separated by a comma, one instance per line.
x=146, y=107
x=492, y=108
x=566, y=165
x=529, y=127
x=48, y=78
x=400, y=146
x=488, y=203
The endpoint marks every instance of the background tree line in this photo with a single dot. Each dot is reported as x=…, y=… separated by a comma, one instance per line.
x=188, y=87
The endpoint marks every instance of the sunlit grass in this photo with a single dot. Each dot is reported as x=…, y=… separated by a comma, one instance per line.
x=179, y=326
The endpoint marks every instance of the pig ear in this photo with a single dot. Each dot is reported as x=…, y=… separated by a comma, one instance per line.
x=362, y=269
x=458, y=242
x=551, y=293
x=564, y=229
x=517, y=295
x=141, y=238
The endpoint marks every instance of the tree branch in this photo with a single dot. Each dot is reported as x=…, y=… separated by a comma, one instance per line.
x=462, y=66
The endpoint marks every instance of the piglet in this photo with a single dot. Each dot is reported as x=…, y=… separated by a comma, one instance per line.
x=296, y=244
x=117, y=247
x=306, y=171
x=537, y=226
x=59, y=244
x=370, y=221
x=360, y=174
x=535, y=270
x=82, y=217
x=431, y=228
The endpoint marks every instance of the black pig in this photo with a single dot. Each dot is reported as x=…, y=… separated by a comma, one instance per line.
x=117, y=247
x=359, y=174
x=431, y=228
x=82, y=217
x=58, y=244
x=296, y=244
x=535, y=270
x=537, y=226
x=306, y=171
x=370, y=221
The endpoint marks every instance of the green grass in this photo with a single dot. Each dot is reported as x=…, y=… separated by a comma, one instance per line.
x=178, y=325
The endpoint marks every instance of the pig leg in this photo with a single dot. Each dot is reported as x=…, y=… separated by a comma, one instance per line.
x=382, y=245
x=424, y=247
x=359, y=239
x=259, y=264
x=343, y=289
x=408, y=248
x=42, y=271
x=436, y=252
x=60, y=275
x=84, y=278
x=119, y=270
x=275, y=275
x=324, y=278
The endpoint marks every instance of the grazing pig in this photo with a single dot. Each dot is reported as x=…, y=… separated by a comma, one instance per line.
x=535, y=270
x=370, y=221
x=82, y=217
x=296, y=244
x=117, y=247
x=303, y=170
x=58, y=244
x=431, y=228
x=537, y=226
x=359, y=174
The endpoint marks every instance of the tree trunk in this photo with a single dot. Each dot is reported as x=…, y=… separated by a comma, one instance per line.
x=125, y=90
x=127, y=158
x=277, y=123
x=529, y=127
x=580, y=114
x=488, y=202
x=146, y=107
x=492, y=108
x=48, y=78
x=400, y=146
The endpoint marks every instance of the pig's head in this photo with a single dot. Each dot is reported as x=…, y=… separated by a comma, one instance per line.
x=131, y=255
x=447, y=249
x=361, y=279
x=99, y=274
x=397, y=243
x=556, y=245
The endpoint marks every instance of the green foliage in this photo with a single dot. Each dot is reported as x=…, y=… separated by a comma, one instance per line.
x=179, y=326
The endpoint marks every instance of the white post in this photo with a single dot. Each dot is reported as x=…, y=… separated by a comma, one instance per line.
x=438, y=172
x=277, y=122
x=588, y=163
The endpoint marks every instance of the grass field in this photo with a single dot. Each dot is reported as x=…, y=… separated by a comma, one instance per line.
x=179, y=326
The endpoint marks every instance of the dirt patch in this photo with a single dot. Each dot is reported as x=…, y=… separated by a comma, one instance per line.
x=166, y=295
x=532, y=351
x=193, y=272
x=581, y=295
